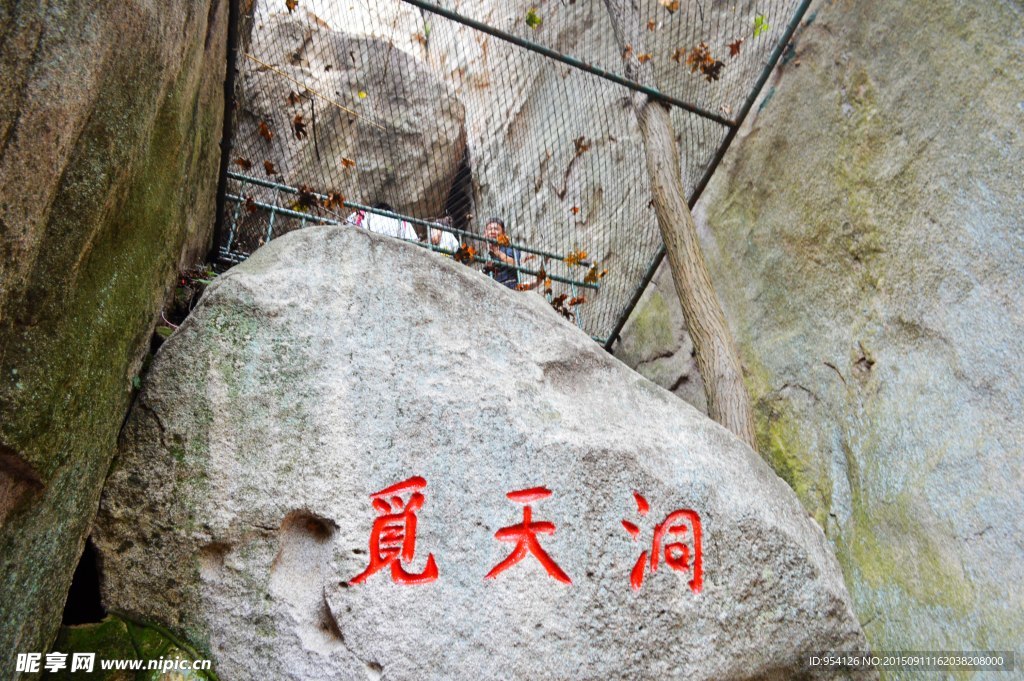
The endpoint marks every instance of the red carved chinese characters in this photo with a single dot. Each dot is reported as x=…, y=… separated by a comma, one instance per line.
x=671, y=538
x=393, y=539
x=525, y=536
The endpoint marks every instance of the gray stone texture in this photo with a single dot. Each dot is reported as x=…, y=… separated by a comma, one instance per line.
x=376, y=105
x=864, y=234
x=334, y=363
x=110, y=118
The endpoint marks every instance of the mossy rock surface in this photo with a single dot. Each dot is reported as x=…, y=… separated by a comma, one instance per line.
x=864, y=237
x=116, y=638
x=110, y=117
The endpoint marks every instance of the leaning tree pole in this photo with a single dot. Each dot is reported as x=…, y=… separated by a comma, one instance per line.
x=717, y=358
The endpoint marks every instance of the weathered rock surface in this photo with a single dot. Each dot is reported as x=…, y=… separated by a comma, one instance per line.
x=865, y=237
x=655, y=343
x=375, y=106
x=110, y=117
x=239, y=507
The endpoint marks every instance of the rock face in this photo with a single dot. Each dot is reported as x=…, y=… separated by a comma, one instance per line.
x=110, y=116
x=865, y=237
x=239, y=510
x=655, y=343
x=401, y=126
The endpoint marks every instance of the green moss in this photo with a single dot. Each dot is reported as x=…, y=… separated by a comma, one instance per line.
x=778, y=441
x=651, y=330
x=136, y=187
x=117, y=638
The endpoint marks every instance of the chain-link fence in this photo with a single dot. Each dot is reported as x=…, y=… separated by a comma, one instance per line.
x=425, y=120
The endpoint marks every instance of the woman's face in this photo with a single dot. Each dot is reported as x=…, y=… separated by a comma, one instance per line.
x=493, y=230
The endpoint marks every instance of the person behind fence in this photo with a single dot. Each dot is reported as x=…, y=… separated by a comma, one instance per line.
x=382, y=224
x=503, y=258
x=442, y=238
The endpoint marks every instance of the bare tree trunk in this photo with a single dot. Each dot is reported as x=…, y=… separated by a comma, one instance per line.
x=717, y=359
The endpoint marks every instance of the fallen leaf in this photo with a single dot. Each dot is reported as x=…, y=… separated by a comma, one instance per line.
x=291, y=5
x=306, y=200
x=293, y=98
x=542, y=276
x=361, y=94
x=299, y=126
x=250, y=205
x=671, y=5
x=652, y=25
x=465, y=254
x=713, y=71
x=265, y=132
x=678, y=55
x=269, y=167
x=533, y=19
x=420, y=38
x=575, y=210
x=644, y=58
x=734, y=47
x=334, y=201
x=578, y=300
x=243, y=163
x=700, y=59
x=760, y=24
x=582, y=145
x=575, y=258
x=561, y=308
x=626, y=51
x=347, y=162
x=593, y=275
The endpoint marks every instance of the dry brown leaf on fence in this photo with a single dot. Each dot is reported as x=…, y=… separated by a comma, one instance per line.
x=243, y=163
x=465, y=254
x=334, y=201
x=671, y=5
x=574, y=258
x=291, y=5
x=734, y=47
x=700, y=59
x=265, y=132
x=594, y=275
x=347, y=162
x=558, y=302
x=299, y=126
x=293, y=98
x=306, y=200
x=269, y=167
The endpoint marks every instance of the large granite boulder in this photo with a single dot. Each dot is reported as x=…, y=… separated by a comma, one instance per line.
x=239, y=512
x=110, y=118
x=864, y=235
x=376, y=124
